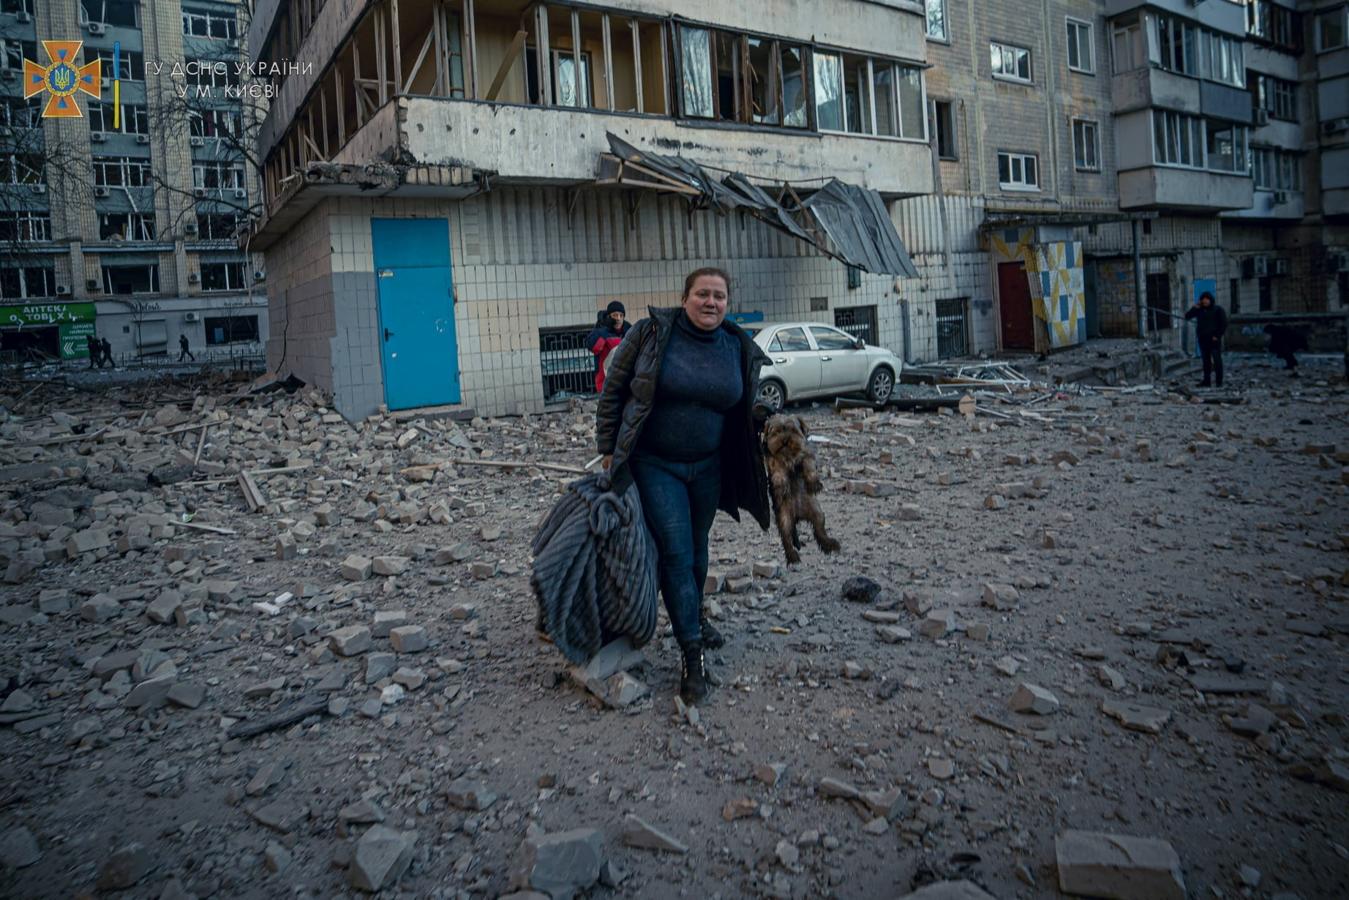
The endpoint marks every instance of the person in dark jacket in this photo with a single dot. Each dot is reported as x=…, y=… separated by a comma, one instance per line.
x=95, y=351
x=1210, y=326
x=607, y=334
x=184, y=349
x=1284, y=342
x=677, y=419
x=107, y=353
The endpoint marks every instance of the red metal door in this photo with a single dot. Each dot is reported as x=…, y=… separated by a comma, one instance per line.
x=1018, y=332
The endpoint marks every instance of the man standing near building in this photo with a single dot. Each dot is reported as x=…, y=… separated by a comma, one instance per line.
x=107, y=354
x=95, y=351
x=1210, y=326
x=183, y=349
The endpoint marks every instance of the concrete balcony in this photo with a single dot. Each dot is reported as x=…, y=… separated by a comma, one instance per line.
x=1222, y=101
x=1278, y=133
x=1220, y=16
x=554, y=145
x=1166, y=187
x=1272, y=205
x=1150, y=86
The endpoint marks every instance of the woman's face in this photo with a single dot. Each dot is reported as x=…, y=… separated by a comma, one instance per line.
x=705, y=303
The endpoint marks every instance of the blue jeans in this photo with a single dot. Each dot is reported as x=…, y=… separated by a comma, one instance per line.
x=679, y=502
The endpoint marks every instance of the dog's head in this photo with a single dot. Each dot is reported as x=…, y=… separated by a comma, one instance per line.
x=785, y=434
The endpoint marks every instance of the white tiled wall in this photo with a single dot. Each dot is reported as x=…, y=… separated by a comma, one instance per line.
x=525, y=259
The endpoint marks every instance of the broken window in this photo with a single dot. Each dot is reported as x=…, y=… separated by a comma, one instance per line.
x=25, y=225
x=27, y=282
x=944, y=126
x=143, y=279
x=222, y=276
x=231, y=329
x=566, y=91
x=741, y=78
x=125, y=13
x=829, y=91
x=22, y=168
x=216, y=226
x=131, y=65
x=695, y=66
x=121, y=171
x=127, y=226
x=133, y=119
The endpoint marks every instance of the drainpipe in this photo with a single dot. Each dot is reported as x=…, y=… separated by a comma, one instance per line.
x=904, y=312
x=1138, y=285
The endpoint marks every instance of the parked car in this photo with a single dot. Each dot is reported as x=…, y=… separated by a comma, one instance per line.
x=813, y=360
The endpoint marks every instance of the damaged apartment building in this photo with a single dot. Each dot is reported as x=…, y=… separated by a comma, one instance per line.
x=1099, y=164
x=458, y=187
x=454, y=189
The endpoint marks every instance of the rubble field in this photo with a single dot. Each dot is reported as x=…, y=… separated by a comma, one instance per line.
x=1077, y=640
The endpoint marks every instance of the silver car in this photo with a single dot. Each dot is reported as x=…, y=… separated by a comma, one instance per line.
x=814, y=360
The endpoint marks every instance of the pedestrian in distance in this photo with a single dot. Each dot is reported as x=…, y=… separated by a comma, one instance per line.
x=183, y=349
x=608, y=333
x=677, y=419
x=1210, y=326
x=95, y=350
x=1284, y=342
x=107, y=354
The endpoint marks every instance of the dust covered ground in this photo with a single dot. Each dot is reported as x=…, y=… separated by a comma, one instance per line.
x=1164, y=579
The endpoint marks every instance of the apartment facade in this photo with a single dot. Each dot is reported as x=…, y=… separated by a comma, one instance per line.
x=518, y=166
x=1101, y=164
x=121, y=220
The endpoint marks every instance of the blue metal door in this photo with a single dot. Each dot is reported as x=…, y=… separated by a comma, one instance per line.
x=416, y=312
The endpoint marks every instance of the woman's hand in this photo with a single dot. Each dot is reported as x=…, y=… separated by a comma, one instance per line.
x=607, y=461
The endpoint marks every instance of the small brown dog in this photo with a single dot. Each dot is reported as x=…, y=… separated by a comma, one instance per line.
x=793, y=483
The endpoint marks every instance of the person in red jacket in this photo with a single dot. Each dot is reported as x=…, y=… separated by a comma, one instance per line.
x=605, y=336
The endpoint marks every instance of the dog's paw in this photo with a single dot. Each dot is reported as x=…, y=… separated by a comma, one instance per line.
x=829, y=545
x=792, y=557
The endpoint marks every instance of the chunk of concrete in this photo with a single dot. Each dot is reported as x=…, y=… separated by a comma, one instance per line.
x=1118, y=866
x=561, y=864
x=381, y=857
x=640, y=833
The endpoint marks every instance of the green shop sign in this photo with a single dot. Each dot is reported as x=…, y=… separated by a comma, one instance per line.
x=75, y=322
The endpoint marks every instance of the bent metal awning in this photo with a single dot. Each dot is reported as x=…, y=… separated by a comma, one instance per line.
x=847, y=222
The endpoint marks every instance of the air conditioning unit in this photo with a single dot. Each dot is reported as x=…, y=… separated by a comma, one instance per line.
x=199, y=193
x=197, y=141
x=38, y=188
x=1261, y=266
x=1280, y=197
x=142, y=138
x=240, y=193
x=97, y=28
x=22, y=17
x=93, y=285
x=189, y=228
x=1262, y=117
x=1282, y=266
x=9, y=74
x=234, y=43
x=1335, y=126
x=98, y=137
x=192, y=278
x=192, y=316
x=100, y=191
x=259, y=275
x=63, y=290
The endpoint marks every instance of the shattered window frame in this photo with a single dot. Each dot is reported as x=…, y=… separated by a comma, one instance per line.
x=719, y=67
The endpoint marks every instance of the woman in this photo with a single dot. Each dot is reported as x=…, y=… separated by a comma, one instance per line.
x=607, y=334
x=677, y=420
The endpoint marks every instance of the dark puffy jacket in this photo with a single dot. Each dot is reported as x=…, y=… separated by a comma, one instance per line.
x=1210, y=321
x=630, y=391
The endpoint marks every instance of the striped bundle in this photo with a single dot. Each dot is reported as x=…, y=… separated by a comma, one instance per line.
x=595, y=575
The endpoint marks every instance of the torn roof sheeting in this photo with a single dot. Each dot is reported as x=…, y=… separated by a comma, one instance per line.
x=848, y=222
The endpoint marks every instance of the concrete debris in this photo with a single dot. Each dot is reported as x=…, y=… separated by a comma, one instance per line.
x=125, y=868
x=561, y=864
x=1135, y=717
x=1123, y=867
x=949, y=890
x=1031, y=698
x=465, y=793
x=640, y=833
x=18, y=848
x=381, y=857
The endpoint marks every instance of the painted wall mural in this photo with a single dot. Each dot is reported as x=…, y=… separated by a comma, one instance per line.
x=1054, y=270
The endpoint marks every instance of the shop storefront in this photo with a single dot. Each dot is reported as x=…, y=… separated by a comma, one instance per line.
x=56, y=330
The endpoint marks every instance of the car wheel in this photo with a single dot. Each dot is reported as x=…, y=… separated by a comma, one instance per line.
x=881, y=385
x=772, y=395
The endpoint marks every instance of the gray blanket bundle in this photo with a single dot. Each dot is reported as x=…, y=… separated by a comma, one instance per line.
x=595, y=575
